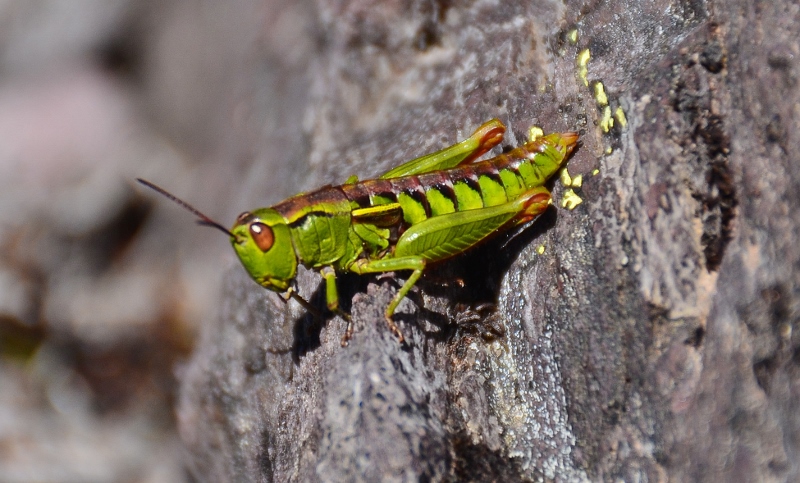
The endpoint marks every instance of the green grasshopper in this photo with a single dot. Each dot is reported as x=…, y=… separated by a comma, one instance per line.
x=424, y=211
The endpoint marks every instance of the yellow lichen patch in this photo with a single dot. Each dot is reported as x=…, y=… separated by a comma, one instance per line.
x=595, y=172
x=540, y=249
x=570, y=200
x=565, y=178
x=609, y=150
x=600, y=94
x=568, y=181
x=583, y=57
x=572, y=36
x=534, y=133
x=582, y=61
x=606, y=122
x=619, y=115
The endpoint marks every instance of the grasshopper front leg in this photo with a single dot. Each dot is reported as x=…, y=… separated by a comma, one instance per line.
x=332, y=301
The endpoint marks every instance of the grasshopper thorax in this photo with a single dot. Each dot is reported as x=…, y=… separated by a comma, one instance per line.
x=263, y=243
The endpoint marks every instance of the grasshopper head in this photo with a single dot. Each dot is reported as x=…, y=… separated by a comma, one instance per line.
x=264, y=245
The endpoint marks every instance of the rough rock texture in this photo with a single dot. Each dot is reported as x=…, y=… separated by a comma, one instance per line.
x=654, y=337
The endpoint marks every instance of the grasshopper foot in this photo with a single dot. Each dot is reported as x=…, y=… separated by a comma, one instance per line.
x=395, y=330
x=348, y=332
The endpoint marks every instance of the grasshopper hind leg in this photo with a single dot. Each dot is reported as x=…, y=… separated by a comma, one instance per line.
x=414, y=263
x=401, y=294
x=447, y=235
x=332, y=296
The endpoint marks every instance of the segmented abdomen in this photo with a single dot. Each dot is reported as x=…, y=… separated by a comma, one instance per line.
x=487, y=183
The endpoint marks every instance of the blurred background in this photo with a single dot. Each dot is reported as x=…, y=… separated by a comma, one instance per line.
x=103, y=285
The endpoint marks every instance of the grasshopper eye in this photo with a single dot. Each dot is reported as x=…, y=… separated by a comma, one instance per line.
x=262, y=235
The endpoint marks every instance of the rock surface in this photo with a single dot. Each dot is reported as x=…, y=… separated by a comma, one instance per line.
x=653, y=339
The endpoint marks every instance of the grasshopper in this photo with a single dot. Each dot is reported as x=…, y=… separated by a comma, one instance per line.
x=424, y=211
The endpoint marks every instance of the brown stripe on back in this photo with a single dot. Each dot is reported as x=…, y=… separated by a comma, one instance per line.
x=321, y=200
x=489, y=170
x=504, y=161
x=357, y=192
x=509, y=161
x=411, y=186
x=363, y=192
x=466, y=174
x=440, y=181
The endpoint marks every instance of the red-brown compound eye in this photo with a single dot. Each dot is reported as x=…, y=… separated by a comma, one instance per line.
x=262, y=235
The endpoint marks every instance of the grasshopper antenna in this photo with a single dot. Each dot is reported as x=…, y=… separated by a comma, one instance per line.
x=203, y=219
